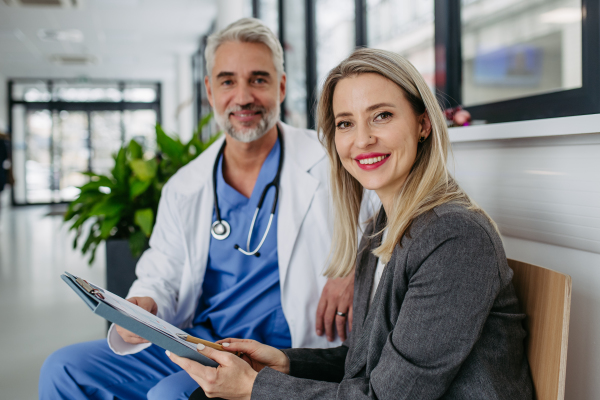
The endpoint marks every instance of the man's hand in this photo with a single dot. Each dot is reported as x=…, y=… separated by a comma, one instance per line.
x=148, y=304
x=337, y=297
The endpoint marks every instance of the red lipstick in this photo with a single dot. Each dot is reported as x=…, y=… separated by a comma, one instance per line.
x=375, y=164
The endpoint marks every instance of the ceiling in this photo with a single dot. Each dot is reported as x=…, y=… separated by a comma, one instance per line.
x=122, y=39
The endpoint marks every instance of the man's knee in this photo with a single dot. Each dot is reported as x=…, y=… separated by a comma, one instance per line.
x=178, y=386
x=65, y=364
x=56, y=364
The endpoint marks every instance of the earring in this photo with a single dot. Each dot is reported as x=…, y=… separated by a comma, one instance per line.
x=422, y=139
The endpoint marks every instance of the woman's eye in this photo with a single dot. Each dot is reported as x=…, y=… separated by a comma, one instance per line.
x=384, y=115
x=343, y=124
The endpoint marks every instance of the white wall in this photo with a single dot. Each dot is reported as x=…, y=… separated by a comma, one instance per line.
x=544, y=192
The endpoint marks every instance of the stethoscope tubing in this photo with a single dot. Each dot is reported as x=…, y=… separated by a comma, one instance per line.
x=225, y=226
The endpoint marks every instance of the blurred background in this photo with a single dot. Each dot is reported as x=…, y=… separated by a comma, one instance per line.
x=79, y=79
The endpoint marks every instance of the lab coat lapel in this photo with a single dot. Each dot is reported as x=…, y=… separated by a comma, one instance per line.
x=296, y=192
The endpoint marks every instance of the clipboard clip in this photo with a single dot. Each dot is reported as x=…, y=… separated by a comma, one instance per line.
x=88, y=288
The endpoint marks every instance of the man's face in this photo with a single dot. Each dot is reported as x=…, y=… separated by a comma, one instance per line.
x=244, y=90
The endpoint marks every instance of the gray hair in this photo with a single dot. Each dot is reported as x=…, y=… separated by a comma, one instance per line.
x=245, y=30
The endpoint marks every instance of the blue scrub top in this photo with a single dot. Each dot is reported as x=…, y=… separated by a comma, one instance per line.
x=241, y=296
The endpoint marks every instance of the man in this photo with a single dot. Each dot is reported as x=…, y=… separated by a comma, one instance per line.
x=195, y=274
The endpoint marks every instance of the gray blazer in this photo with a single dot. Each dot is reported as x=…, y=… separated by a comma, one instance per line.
x=444, y=323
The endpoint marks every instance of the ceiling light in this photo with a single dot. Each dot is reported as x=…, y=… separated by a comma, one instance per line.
x=74, y=59
x=561, y=16
x=44, y=3
x=61, y=35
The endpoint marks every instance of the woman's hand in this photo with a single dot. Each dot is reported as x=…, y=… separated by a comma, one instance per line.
x=258, y=355
x=232, y=379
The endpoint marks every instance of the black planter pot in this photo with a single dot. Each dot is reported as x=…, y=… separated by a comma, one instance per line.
x=120, y=266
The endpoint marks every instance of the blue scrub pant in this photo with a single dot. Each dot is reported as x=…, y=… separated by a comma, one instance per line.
x=91, y=370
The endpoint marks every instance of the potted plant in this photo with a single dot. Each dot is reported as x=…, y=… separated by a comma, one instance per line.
x=120, y=208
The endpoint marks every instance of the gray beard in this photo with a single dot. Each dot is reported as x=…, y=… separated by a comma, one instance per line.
x=267, y=122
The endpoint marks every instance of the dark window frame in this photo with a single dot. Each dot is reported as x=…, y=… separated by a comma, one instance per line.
x=562, y=103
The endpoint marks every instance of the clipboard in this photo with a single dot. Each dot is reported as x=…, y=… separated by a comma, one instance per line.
x=96, y=298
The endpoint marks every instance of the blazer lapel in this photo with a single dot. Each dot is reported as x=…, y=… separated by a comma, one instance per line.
x=367, y=314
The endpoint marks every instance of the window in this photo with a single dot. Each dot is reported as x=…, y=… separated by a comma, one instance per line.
x=295, y=52
x=513, y=60
x=335, y=38
x=268, y=12
x=404, y=27
x=62, y=128
x=514, y=49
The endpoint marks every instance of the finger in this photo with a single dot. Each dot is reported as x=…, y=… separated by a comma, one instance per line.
x=197, y=371
x=134, y=339
x=221, y=357
x=350, y=316
x=340, y=324
x=329, y=320
x=233, y=340
x=247, y=347
x=320, y=314
x=132, y=300
x=129, y=336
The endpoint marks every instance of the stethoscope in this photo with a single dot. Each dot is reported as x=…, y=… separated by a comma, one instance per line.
x=221, y=229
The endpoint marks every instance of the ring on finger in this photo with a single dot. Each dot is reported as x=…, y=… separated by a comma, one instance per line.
x=341, y=314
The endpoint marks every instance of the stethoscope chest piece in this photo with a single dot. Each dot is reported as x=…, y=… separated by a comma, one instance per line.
x=220, y=230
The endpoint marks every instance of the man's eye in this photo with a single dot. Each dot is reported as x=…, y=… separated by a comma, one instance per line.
x=227, y=82
x=343, y=124
x=260, y=81
x=383, y=116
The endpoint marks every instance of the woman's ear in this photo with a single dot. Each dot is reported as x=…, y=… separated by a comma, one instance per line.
x=424, y=125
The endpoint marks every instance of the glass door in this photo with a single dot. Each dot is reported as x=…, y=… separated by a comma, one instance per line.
x=106, y=139
x=57, y=151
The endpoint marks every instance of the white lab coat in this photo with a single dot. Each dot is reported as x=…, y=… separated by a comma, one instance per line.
x=172, y=270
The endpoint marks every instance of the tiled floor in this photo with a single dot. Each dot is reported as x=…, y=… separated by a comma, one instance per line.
x=38, y=311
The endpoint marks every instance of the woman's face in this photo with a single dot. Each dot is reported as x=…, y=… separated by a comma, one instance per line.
x=377, y=132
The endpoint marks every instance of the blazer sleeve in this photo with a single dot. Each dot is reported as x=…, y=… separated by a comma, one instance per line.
x=453, y=281
x=320, y=364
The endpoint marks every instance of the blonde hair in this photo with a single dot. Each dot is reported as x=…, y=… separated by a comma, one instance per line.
x=245, y=30
x=428, y=185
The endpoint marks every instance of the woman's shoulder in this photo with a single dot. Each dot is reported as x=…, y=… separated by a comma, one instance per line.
x=457, y=219
x=456, y=227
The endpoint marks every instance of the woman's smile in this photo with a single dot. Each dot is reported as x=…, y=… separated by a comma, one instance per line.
x=370, y=161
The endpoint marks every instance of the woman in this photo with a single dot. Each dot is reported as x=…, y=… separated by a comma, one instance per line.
x=435, y=312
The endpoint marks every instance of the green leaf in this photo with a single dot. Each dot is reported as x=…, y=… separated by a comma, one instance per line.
x=172, y=148
x=109, y=208
x=135, y=150
x=144, y=170
x=137, y=243
x=138, y=187
x=120, y=170
x=92, y=235
x=145, y=220
x=94, y=185
x=107, y=225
